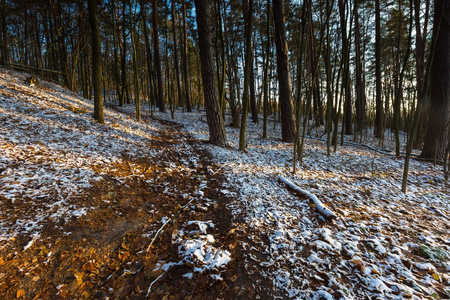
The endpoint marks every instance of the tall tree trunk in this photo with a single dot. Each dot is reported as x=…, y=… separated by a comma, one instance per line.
x=25, y=42
x=168, y=79
x=175, y=52
x=233, y=102
x=221, y=75
x=137, y=99
x=298, y=109
x=266, y=74
x=420, y=63
x=185, y=64
x=359, y=87
x=314, y=70
x=161, y=104
x=87, y=77
x=37, y=41
x=438, y=124
x=116, y=53
x=253, y=106
x=287, y=106
x=248, y=18
x=346, y=75
x=53, y=63
x=62, y=48
x=150, y=69
x=4, y=42
x=378, y=89
x=214, y=117
x=329, y=78
x=124, y=59
x=421, y=99
x=399, y=84
x=96, y=62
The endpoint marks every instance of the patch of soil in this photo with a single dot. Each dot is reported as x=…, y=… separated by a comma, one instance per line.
x=104, y=254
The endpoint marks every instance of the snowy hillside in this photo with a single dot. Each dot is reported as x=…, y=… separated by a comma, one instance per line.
x=64, y=178
x=383, y=244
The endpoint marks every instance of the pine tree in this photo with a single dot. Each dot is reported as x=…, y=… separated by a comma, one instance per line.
x=285, y=97
x=216, y=126
x=437, y=133
x=96, y=62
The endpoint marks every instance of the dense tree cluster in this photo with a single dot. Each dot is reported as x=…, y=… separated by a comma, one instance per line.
x=365, y=65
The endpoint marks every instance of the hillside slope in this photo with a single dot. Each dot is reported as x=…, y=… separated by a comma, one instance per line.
x=149, y=209
x=106, y=211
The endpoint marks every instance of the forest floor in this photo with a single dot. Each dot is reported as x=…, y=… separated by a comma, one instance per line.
x=130, y=210
x=82, y=205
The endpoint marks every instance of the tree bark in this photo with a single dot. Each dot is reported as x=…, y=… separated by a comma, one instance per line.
x=137, y=100
x=221, y=76
x=298, y=109
x=359, y=87
x=437, y=134
x=253, y=106
x=185, y=68
x=216, y=126
x=378, y=87
x=248, y=11
x=420, y=64
x=175, y=51
x=346, y=74
x=161, y=104
x=4, y=42
x=399, y=83
x=150, y=70
x=234, y=105
x=266, y=74
x=115, y=39
x=96, y=62
x=285, y=97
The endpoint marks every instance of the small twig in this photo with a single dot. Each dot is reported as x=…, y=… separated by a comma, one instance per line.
x=165, y=223
x=156, y=235
x=223, y=166
x=153, y=282
x=130, y=166
x=132, y=175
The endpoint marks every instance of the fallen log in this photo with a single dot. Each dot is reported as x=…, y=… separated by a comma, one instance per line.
x=29, y=68
x=321, y=208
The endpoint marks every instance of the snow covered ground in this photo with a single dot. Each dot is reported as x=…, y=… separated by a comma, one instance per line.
x=51, y=148
x=383, y=244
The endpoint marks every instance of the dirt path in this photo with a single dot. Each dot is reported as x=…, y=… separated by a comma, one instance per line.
x=104, y=253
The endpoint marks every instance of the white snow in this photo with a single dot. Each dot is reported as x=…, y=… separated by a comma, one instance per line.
x=200, y=251
x=52, y=150
x=376, y=227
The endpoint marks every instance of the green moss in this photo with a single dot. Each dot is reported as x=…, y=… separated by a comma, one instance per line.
x=441, y=254
x=434, y=253
x=424, y=251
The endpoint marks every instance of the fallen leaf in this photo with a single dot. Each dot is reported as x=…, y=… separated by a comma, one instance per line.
x=231, y=231
x=358, y=264
x=436, y=276
x=88, y=267
x=21, y=293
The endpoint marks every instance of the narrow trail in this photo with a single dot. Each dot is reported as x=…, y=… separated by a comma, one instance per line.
x=103, y=254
